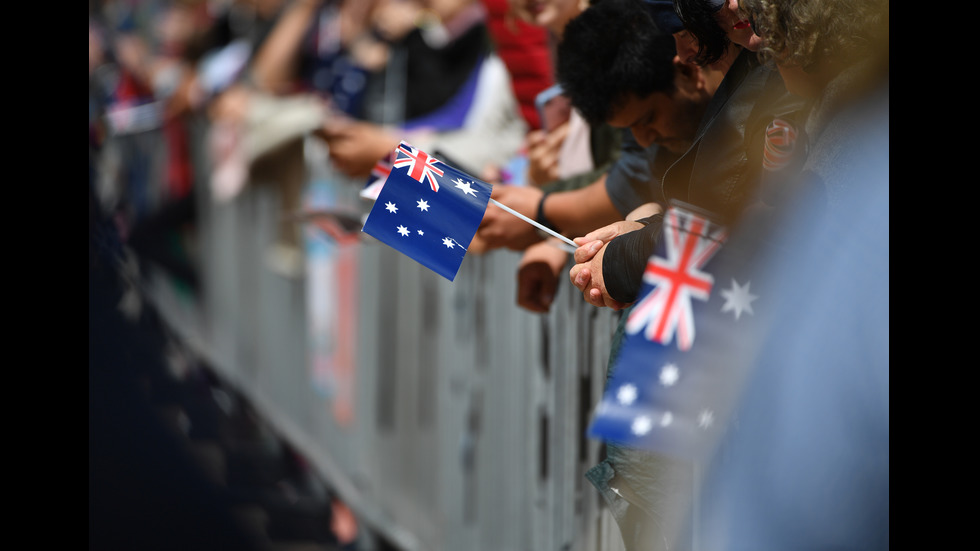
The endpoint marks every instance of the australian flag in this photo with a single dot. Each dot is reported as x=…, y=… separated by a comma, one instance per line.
x=671, y=385
x=428, y=210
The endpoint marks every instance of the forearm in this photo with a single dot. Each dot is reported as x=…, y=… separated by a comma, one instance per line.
x=275, y=64
x=579, y=211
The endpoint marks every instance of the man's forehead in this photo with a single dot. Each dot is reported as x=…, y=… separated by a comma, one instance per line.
x=633, y=108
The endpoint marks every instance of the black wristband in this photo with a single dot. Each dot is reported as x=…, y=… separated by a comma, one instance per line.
x=540, y=218
x=646, y=221
x=626, y=258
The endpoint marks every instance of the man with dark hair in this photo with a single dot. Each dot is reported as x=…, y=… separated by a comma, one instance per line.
x=619, y=67
x=720, y=171
x=617, y=64
x=627, y=189
x=700, y=19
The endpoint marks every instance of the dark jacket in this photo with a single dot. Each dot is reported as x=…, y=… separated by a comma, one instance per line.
x=719, y=173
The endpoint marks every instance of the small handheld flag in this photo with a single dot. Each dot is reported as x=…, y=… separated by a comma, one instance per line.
x=669, y=385
x=428, y=210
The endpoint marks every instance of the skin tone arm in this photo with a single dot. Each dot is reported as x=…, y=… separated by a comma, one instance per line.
x=275, y=64
x=579, y=211
x=543, y=151
x=356, y=146
x=502, y=229
x=586, y=274
x=575, y=212
x=540, y=268
x=538, y=275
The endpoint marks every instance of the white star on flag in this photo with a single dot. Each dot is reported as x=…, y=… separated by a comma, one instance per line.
x=706, y=418
x=669, y=374
x=448, y=242
x=423, y=205
x=626, y=394
x=391, y=207
x=641, y=425
x=738, y=298
x=403, y=230
x=465, y=187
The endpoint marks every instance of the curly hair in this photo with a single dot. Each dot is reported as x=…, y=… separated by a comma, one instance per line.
x=698, y=17
x=805, y=32
x=611, y=50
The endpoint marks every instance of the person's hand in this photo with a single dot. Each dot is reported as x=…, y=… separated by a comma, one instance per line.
x=604, y=234
x=543, y=152
x=393, y=20
x=492, y=174
x=230, y=106
x=477, y=246
x=587, y=277
x=586, y=274
x=500, y=228
x=356, y=146
x=538, y=275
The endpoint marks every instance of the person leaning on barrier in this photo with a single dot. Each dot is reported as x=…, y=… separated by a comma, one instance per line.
x=619, y=67
x=568, y=199
x=567, y=162
x=720, y=172
x=815, y=401
x=628, y=190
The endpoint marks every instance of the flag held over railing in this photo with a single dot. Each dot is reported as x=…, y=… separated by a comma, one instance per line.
x=673, y=379
x=428, y=210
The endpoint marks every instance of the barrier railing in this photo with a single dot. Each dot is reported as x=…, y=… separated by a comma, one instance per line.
x=447, y=417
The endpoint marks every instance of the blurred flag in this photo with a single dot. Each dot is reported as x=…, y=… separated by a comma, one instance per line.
x=671, y=382
x=379, y=173
x=428, y=210
x=377, y=178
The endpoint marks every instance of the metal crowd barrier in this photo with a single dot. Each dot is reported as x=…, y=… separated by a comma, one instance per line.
x=447, y=417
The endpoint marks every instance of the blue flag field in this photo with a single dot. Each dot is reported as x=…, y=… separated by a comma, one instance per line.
x=428, y=210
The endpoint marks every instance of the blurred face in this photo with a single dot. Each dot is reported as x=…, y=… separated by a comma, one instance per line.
x=737, y=27
x=669, y=120
x=553, y=14
x=687, y=46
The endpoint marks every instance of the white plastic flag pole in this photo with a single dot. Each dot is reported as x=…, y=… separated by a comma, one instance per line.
x=537, y=225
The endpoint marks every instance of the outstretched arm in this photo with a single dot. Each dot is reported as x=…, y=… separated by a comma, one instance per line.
x=539, y=274
x=276, y=63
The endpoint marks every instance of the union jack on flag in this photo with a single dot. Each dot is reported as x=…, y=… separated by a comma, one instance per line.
x=677, y=279
x=432, y=224
x=669, y=397
x=420, y=166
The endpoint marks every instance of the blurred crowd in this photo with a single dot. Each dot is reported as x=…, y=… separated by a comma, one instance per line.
x=711, y=135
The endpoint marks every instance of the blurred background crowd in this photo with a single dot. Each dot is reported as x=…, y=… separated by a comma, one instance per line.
x=265, y=376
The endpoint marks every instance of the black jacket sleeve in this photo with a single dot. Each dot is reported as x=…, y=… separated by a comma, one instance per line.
x=626, y=257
